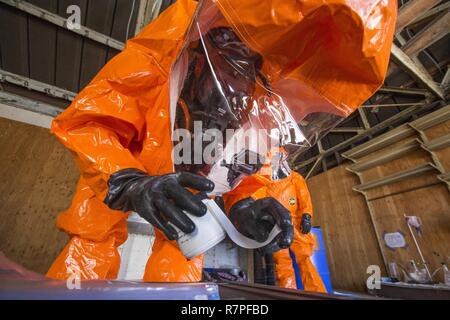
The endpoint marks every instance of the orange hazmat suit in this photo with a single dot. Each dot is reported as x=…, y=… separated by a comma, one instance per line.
x=331, y=54
x=292, y=192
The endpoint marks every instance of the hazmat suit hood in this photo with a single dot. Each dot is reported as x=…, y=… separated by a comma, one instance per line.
x=294, y=69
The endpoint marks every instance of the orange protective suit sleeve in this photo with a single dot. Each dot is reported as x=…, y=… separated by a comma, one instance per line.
x=106, y=124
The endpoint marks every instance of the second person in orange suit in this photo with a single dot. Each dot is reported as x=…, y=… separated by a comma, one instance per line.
x=276, y=180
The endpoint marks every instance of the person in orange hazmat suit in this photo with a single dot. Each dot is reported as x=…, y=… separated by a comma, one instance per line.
x=289, y=188
x=313, y=53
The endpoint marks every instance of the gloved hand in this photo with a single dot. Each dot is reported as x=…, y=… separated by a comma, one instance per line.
x=256, y=219
x=306, y=224
x=159, y=199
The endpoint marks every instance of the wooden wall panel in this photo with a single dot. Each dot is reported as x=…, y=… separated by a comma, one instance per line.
x=413, y=160
x=38, y=177
x=100, y=16
x=348, y=233
x=408, y=185
x=69, y=48
x=42, y=43
x=14, y=43
x=432, y=205
x=438, y=131
x=444, y=157
x=443, y=154
x=423, y=196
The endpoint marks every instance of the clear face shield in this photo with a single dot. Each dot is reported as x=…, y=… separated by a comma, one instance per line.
x=229, y=110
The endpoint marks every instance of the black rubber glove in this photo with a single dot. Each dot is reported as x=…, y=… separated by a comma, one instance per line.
x=256, y=219
x=306, y=224
x=159, y=199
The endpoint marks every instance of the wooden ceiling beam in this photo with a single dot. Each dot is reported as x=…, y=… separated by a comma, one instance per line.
x=430, y=14
x=406, y=63
x=432, y=33
x=411, y=10
x=148, y=11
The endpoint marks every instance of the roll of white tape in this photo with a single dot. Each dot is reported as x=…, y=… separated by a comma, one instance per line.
x=211, y=229
x=233, y=233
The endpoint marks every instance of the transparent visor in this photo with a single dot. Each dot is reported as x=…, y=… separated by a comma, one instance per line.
x=229, y=111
